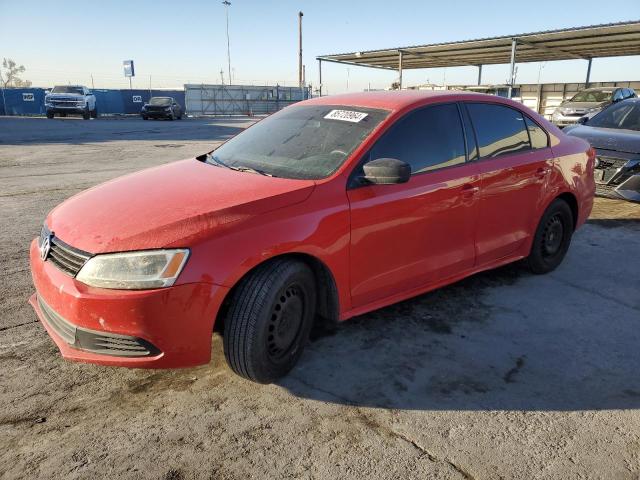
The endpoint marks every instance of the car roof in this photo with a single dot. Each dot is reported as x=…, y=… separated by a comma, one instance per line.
x=398, y=100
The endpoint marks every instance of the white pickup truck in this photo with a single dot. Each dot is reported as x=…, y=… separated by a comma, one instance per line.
x=71, y=99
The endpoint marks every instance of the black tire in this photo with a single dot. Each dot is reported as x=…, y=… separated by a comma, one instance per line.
x=94, y=112
x=269, y=320
x=86, y=114
x=552, y=238
x=49, y=115
x=63, y=115
x=144, y=117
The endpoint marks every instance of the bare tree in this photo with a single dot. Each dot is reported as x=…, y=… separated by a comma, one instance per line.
x=11, y=72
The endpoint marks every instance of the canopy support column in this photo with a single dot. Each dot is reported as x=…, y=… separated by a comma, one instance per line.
x=320, y=73
x=400, y=69
x=479, y=74
x=586, y=82
x=514, y=43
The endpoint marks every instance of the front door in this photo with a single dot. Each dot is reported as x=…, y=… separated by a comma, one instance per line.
x=406, y=236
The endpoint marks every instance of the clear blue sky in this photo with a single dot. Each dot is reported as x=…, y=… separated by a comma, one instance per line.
x=177, y=42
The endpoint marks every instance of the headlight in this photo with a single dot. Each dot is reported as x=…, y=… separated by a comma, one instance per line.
x=134, y=270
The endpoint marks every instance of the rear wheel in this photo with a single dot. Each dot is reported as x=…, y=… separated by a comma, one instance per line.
x=269, y=320
x=552, y=238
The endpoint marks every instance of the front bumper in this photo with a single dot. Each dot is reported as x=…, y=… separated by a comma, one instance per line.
x=65, y=109
x=152, y=114
x=618, y=178
x=172, y=326
x=564, y=120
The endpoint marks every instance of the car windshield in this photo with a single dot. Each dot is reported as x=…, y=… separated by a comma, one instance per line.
x=624, y=115
x=75, y=90
x=300, y=142
x=160, y=101
x=592, y=96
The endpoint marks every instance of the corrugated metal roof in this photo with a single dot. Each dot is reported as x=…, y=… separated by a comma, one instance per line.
x=608, y=40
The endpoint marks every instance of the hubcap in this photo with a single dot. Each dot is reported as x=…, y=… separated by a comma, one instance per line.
x=285, y=323
x=553, y=235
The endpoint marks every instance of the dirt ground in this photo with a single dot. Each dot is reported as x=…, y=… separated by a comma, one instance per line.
x=503, y=375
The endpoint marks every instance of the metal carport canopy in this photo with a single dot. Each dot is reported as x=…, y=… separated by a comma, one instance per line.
x=608, y=40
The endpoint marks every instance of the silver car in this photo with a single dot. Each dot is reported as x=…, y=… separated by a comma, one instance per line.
x=589, y=102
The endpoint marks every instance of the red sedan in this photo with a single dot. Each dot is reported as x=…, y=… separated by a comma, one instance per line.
x=327, y=209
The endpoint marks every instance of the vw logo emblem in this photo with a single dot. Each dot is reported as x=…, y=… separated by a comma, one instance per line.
x=45, y=246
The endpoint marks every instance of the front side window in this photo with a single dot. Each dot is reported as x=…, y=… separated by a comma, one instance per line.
x=426, y=139
x=625, y=115
x=499, y=129
x=300, y=141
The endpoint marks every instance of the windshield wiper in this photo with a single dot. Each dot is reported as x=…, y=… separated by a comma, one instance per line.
x=216, y=161
x=220, y=163
x=252, y=170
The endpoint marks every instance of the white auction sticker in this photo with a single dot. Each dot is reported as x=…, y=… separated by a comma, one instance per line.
x=345, y=115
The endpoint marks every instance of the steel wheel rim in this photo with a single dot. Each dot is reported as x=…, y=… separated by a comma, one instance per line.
x=285, y=323
x=553, y=236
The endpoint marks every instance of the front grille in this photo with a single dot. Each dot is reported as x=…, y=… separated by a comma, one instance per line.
x=65, y=103
x=67, y=258
x=94, y=341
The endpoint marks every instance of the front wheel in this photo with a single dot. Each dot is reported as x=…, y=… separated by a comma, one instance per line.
x=49, y=115
x=94, y=112
x=86, y=114
x=269, y=320
x=552, y=238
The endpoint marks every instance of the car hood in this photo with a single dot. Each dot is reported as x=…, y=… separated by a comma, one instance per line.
x=627, y=141
x=167, y=206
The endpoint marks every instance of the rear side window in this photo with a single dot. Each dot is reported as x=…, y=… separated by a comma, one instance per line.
x=537, y=135
x=426, y=139
x=500, y=130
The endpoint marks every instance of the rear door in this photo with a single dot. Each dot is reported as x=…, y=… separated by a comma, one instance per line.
x=515, y=164
x=407, y=235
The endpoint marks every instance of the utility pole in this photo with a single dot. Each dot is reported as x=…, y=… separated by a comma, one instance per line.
x=227, y=4
x=222, y=76
x=300, y=74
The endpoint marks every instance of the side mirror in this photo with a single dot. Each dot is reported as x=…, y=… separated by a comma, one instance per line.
x=386, y=171
x=618, y=96
x=583, y=120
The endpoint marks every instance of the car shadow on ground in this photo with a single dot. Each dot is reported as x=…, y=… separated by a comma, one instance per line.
x=76, y=131
x=500, y=340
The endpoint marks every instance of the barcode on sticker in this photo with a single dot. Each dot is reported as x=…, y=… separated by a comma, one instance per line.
x=345, y=115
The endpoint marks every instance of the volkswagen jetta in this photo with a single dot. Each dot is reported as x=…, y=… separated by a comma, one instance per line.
x=328, y=209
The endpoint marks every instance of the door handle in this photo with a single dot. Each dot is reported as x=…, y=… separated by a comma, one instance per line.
x=469, y=190
x=543, y=172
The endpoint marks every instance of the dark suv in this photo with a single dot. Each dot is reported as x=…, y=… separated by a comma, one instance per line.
x=161, y=107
